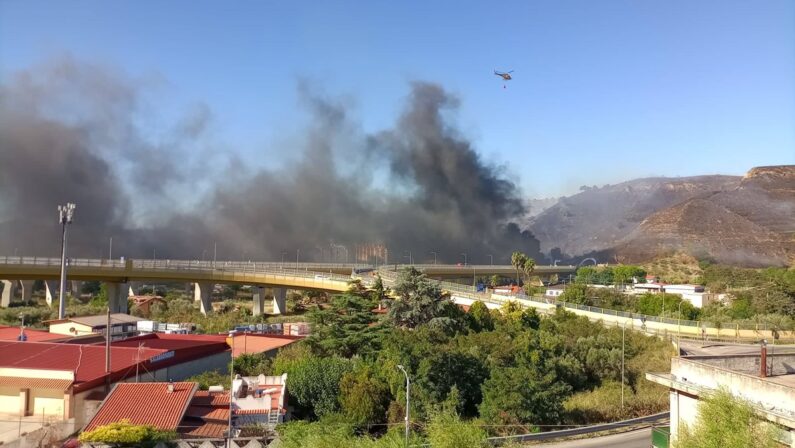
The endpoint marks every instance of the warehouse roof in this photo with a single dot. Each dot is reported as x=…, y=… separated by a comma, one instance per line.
x=100, y=320
x=12, y=333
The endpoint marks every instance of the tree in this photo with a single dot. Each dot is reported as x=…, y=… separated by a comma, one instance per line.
x=528, y=267
x=363, y=396
x=521, y=395
x=251, y=364
x=125, y=434
x=518, y=260
x=443, y=370
x=726, y=421
x=314, y=382
x=480, y=317
x=346, y=328
x=624, y=273
x=210, y=378
x=576, y=293
x=447, y=430
x=421, y=301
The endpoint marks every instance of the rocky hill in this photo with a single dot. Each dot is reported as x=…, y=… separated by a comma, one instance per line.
x=747, y=220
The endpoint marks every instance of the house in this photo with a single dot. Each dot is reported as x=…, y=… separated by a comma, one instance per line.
x=766, y=381
x=259, y=400
x=694, y=294
x=67, y=380
x=192, y=413
x=122, y=325
x=555, y=290
x=144, y=303
x=648, y=287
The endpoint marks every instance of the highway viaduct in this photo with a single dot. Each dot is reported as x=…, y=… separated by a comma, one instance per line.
x=276, y=277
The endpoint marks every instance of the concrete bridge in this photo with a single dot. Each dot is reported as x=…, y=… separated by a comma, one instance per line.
x=119, y=275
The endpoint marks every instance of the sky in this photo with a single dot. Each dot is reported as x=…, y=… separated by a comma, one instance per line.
x=602, y=92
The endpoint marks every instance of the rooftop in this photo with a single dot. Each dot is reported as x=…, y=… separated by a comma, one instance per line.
x=11, y=334
x=163, y=409
x=261, y=343
x=99, y=321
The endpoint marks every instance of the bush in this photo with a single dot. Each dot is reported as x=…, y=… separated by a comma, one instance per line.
x=125, y=434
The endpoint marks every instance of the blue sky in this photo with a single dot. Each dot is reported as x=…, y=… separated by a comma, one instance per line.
x=604, y=91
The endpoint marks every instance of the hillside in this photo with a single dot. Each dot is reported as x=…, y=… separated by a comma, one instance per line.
x=748, y=220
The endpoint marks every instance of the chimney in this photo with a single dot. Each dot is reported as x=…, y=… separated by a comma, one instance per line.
x=170, y=388
x=763, y=360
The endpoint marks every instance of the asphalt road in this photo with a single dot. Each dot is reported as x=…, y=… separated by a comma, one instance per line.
x=640, y=438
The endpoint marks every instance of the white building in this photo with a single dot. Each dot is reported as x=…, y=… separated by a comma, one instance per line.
x=772, y=395
x=692, y=293
x=259, y=399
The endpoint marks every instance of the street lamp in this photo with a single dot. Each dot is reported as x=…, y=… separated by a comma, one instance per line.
x=65, y=212
x=679, y=319
x=408, y=252
x=465, y=258
x=434, y=258
x=408, y=389
x=491, y=259
x=623, y=333
x=297, y=253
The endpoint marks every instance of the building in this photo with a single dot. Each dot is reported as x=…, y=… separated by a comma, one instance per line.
x=67, y=380
x=769, y=389
x=555, y=290
x=193, y=413
x=30, y=334
x=144, y=303
x=694, y=294
x=259, y=400
x=122, y=325
x=648, y=287
x=253, y=343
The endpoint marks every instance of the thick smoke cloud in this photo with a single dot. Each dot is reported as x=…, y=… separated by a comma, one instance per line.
x=70, y=131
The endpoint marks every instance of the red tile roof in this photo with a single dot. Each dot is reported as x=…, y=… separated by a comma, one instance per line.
x=11, y=334
x=145, y=404
x=205, y=398
x=199, y=429
x=206, y=413
x=87, y=361
x=35, y=383
x=261, y=343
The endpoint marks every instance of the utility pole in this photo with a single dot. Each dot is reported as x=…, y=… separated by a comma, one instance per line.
x=408, y=390
x=110, y=249
x=215, y=252
x=107, y=353
x=491, y=259
x=66, y=212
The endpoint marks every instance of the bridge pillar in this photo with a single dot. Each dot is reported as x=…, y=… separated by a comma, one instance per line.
x=279, y=300
x=76, y=288
x=50, y=291
x=9, y=287
x=117, y=297
x=258, y=294
x=27, y=290
x=202, y=292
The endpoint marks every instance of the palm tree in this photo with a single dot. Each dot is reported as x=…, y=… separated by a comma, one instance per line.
x=518, y=260
x=528, y=267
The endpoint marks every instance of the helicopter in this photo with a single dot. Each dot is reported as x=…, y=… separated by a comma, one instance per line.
x=506, y=76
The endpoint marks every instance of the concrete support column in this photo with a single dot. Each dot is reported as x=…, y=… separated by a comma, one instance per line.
x=258, y=294
x=279, y=300
x=50, y=291
x=202, y=292
x=27, y=290
x=76, y=288
x=117, y=297
x=9, y=287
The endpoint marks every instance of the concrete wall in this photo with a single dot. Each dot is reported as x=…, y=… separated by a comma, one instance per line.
x=45, y=402
x=749, y=364
x=179, y=372
x=9, y=400
x=751, y=388
x=684, y=411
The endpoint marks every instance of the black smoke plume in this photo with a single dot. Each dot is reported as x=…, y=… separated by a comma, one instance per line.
x=71, y=131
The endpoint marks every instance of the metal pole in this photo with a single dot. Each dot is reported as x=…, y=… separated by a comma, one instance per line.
x=491, y=258
x=110, y=249
x=679, y=320
x=465, y=258
x=215, y=252
x=434, y=258
x=65, y=214
x=408, y=403
x=297, y=253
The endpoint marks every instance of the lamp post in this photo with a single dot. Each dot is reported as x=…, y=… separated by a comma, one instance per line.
x=408, y=252
x=65, y=212
x=284, y=252
x=465, y=258
x=110, y=249
x=297, y=253
x=408, y=389
x=215, y=252
x=491, y=259
x=434, y=258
